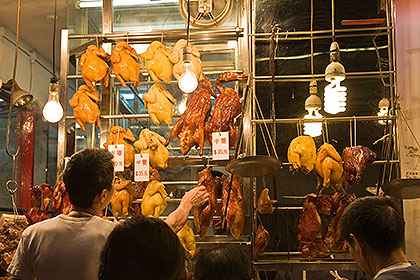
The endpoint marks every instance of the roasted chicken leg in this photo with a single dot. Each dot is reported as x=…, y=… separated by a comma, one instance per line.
x=235, y=216
x=264, y=203
x=356, y=159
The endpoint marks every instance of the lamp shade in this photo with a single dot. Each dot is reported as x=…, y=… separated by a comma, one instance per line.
x=19, y=97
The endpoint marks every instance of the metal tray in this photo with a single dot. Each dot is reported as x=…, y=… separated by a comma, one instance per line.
x=253, y=166
x=403, y=188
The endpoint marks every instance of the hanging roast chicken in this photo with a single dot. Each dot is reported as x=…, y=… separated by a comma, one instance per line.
x=265, y=203
x=157, y=62
x=176, y=58
x=190, y=126
x=356, y=159
x=261, y=240
x=187, y=238
x=94, y=66
x=85, y=107
x=226, y=108
x=117, y=136
x=122, y=197
x=159, y=104
x=153, y=144
x=302, y=154
x=124, y=60
x=154, y=200
x=235, y=215
x=329, y=167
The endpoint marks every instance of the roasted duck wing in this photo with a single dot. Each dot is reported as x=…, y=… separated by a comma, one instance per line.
x=356, y=159
x=85, y=106
x=203, y=215
x=261, y=240
x=94, y=66
x=124, y=60
x=264, y=203
x=302, y=154
x=226, y=108
x=190, y=126
x=235, y=217
x=329, y=167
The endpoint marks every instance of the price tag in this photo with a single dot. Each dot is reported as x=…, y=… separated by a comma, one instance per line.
x=118, y=152
x=220, y=141
x=141, y=167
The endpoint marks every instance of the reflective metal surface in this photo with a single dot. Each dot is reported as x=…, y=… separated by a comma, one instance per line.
x=253, y=166
x=403, y=188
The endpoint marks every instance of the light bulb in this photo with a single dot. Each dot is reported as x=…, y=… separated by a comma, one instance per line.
x=335, y=97
x=188, y=81
x=313, y=129
x=53, y=112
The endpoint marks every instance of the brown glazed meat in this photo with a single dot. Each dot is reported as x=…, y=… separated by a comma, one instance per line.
x=139, y=187
x=356, y=159
x=203, y=215
x=226, y=108
x=235, y=217
x=190, y=126
x=261, y=240
x=264, y=203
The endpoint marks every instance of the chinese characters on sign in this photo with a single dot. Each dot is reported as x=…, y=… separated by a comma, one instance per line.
x=118, y=152
x=141, y=167
x=220, y=145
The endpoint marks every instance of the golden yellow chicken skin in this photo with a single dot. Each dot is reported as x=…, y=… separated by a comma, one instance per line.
x=94, y=66
x=329, y=167
x=122, y=197
x=302, y=154
x=176, y=59
x=154, y=200
x=85, y=107
x=187, y=238
x=153, y=144
x=124, y=60
x=157, y=62
x=159, y=104
x=117, y=136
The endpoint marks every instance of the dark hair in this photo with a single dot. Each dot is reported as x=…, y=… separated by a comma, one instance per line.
x=228, y=262
x=87, y=173
x=375, y=220
x=142, y=248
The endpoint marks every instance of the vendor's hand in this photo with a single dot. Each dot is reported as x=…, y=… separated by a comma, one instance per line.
x=196, y=197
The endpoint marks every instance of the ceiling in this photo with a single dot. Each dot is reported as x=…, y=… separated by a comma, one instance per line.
x=36, y=25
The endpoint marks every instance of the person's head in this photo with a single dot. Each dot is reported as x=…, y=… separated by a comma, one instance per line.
x=142, y=248
x=227, y=262
x=373, y=228
x=88, y=176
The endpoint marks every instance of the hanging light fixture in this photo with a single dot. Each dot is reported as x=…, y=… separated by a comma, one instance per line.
x=187, y=82
x=53, y=111
x=383, y=110
x=313, y=105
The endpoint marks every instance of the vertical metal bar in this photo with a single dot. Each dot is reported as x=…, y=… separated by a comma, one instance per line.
x=351, y=134
x=355, y=130
x=273, y=87
x=333, y=19
x=312, y=37
x=64, y=68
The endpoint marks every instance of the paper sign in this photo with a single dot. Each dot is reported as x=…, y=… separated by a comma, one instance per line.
x=220, y=141
x=141, y=167
x=118, y=152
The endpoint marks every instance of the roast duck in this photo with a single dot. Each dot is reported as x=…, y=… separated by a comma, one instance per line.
x=152, y=143
x=85, y=106
x=187, y=238
x=261, y=240
x=176, y=58
x=235, y=215
x=125, y=64
x=302, y=154
x=329, y=168
x=157, y=62
x=226, y=108
x=94, y=66
x=117, y=137
x=122, y=197
x=356, y=159
x=159, y=104
x=190, y=126
x=203, y=215
x=154, y=200
x=264, y=203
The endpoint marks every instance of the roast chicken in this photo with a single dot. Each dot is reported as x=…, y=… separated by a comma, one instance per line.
x=187, y=238
x=94, y=66
x=203, y=215
x=356, y=159
x=235, y=216
x=140, y=187
x=264, y=203
x=302, y=154
x=226, y=108
x=176, y=58
x=157, y=62
x=85, y=106
x=154, y=200
x=153, y=144
x=117, y=136
x=124, y=60
x=261, y=240
x=190, y=126
x=159, y=104
x=122, y=197
x=329, y=167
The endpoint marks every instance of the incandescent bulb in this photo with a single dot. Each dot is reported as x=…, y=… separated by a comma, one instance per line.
x=188, y=81
x=53, y=112
x=335, y=97
x=313, y=129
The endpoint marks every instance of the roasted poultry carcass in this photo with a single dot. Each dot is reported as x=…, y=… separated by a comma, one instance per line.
x=264, y=203
x=157, y=62
x=122, y=197
x=187, y=238
x=329, y=167
x=203, y=215
x=94, y=66
x=117, y=136
x=159, y=104
x=302, y=154
x=176, y=58
x=153, y=144
x=226, y=108
x=235, y=217
x=261, y=240
x=140, y=187
x=124, y=60
x=154, y=200
x=190, y=126
x=356, y=159
x=85, y=106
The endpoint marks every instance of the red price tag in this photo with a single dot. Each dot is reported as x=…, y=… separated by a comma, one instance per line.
x=141, y=167
x=118, y=152
x=220, y=141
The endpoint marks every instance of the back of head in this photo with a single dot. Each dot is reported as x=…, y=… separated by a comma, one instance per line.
x=227, y=262
x=142, y=248
x=377, y=221
x=87, y=173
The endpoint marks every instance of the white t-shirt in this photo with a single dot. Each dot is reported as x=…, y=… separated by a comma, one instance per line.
x=62, y=248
